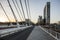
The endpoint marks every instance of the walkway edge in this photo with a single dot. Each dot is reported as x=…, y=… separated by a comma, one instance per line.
x=49, y=33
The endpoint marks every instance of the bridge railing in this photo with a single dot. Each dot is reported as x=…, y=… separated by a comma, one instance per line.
x=54, y=33
x=13, y=30
x=7, y=33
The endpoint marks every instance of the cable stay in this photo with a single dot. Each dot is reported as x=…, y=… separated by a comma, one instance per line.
x=22, y=8
x=29, y=8
x=5, y=12
x=16, y=9
x=13, y=13
x=26, y=9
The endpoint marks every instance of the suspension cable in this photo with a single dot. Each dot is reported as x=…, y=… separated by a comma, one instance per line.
x=22, y=8
x=12, y=11
x=29, y=8
x=5, y=12
x=26, y=9
x=16, y=9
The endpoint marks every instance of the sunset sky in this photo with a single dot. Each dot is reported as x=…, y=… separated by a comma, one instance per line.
x=36, y=9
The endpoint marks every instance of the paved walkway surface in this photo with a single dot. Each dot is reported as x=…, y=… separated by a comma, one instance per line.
x=39, y=34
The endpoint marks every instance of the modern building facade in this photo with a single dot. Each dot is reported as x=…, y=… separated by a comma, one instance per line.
x=47, y=13
x=40, y=20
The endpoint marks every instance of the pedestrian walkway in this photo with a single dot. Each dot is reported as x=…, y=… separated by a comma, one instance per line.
x=39, y=34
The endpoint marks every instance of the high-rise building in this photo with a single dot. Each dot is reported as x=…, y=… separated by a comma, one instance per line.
x=47, y=13
x=40, y=20
x=59, y=22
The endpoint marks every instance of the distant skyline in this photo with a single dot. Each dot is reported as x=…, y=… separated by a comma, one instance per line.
x=36, y=9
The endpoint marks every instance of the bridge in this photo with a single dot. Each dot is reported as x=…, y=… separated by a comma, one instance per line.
x=23, y=29
x=26, y=33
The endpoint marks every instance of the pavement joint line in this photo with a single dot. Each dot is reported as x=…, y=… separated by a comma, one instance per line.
x=48, y=33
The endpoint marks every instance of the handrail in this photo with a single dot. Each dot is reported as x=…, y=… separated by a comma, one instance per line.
x=54, y=33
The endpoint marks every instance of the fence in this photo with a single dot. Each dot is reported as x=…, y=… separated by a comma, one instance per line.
x=54, y=33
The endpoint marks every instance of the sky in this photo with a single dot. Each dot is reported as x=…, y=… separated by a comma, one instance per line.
x=36, y=10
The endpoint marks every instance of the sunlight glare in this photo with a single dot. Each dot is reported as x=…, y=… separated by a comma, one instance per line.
x=2, y=19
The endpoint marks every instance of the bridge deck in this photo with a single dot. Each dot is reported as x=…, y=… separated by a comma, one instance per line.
x=39, y=34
